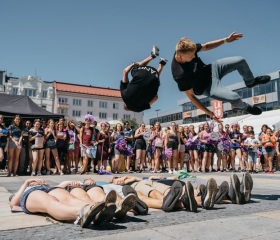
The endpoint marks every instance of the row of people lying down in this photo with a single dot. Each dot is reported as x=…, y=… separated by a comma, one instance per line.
x=87, y=202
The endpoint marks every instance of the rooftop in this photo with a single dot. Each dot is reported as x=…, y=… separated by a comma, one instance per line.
x=76, y=88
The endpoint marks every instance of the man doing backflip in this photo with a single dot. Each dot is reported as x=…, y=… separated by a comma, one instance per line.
x=141, y=92
x=196, y=78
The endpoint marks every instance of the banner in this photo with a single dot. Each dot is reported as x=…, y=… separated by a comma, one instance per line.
x=187, y=114
x=217, y=108
x=259, y=99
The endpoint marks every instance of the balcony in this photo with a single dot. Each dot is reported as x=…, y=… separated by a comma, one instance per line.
x=63, y=105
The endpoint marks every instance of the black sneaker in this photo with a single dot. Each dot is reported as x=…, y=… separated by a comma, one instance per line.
x=222, y=192
x=172, y=197
x=188, y=199
x=234, y=189
x=155, y=51
x=140, y=206
x=126, y=204
x=253, y=110
x=163, y=61
x=259, y=80
x=209, y=194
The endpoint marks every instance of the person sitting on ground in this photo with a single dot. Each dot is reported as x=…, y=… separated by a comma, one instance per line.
x=141, y=92
x=36, y=196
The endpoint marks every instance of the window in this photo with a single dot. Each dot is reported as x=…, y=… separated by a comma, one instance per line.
x=126, y=116
x=77, y=102
x=62, y=111
x=44, y=94
x=115, y=116
x=15, y=91
x=115, y=106
x=62, y=100
x=30, y=92
x=102, y=104
x=76, y=113
x=102, y=115
x=90, y=103
x=90, y=113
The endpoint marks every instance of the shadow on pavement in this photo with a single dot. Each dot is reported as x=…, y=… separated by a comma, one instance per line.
x=266, y=197
x=107, y=227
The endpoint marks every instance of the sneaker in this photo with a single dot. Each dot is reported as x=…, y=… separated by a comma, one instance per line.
x=111, y=197
x=140, y=206
x=48, y=172
x=234, y=189
x=188, y=199
x=39, y=173
x=33, y=174
x=253, y=110
x=61, y=173
x=246, y=186
x=172, y=197
x=222, y=192
x=259, y=80
x=125, y=205
x=209, y=195
x=106, y=213
x=163, y=61
x=170, y=172
x=155, y=51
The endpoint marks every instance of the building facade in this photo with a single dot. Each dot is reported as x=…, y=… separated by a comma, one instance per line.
x=105, y=104
x=34, y=87
x=265, y=96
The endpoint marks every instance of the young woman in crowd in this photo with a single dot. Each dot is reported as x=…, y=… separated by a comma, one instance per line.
x=50, y=147
x=73, y=148
x=277, y=148
x=61, y=145
x=103, y=147
x=158, y=141
x=172, y=142
x=86, y=138
x=268, y=143
x=14, y=145
x=182, y=146
x=235, y=147
x=140, y=146
x=244, y=149
x=222, y=154
x=36, y=138
x=194, y=157
x=117, y=134
x=3, y=133
x=207, y=147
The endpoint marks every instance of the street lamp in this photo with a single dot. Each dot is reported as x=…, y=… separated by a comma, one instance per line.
x=157, y=110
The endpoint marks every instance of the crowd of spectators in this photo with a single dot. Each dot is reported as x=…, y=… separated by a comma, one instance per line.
x=45, y=147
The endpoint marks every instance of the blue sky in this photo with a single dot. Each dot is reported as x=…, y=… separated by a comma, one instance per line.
x=90, y=42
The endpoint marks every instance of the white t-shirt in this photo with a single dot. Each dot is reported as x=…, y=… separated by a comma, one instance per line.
x=252, y=141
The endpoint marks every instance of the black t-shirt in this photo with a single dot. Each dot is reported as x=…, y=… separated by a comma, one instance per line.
x=194, y=74
x=143, y=87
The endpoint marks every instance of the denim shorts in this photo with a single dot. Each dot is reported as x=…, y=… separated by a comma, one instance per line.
x=252, y=157
x=25, y=195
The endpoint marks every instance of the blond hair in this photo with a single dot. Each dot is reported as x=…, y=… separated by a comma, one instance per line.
x=185, y=45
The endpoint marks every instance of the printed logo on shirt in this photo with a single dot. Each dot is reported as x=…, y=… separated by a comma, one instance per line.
x=152, y=71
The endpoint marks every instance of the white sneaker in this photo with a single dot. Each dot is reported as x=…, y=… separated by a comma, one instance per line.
x=61, y=173
x=39, y=173
x=33, y=174
x=170, y=172
x=162, y=61
x=155, y=51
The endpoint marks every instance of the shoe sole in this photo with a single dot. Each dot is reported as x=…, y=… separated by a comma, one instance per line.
x=140, y=206
x=128, y=203
x=211, y=188
x=111, y=197
x=92, y=215
x=190, y=195
x=105, y=214
x=247, y=187
x=222, y=192
x=172, y=197
x=236, y=187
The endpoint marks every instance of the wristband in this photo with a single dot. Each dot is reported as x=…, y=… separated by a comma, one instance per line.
x=225, y=40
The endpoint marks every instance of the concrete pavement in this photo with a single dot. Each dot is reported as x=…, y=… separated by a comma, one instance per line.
x=260, y=219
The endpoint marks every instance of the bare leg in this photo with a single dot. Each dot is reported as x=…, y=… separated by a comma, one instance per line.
x=151, y=202
x=96, y=194
x=81, y=194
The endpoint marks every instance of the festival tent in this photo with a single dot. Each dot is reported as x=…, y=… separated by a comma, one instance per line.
x=11, y=105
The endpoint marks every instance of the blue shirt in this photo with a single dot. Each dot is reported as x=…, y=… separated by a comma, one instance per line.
x=15, y=131
x=128, y=133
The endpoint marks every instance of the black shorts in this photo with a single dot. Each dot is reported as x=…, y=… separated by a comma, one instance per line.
x=208, y=148
x=173, y=145
x=140, y=144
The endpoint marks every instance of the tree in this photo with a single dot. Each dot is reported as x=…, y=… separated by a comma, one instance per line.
x=132, y=122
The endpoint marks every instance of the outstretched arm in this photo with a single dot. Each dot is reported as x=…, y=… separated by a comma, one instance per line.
x=190, y=94
x=125, y=73
x=153, y=100
x=216, y=43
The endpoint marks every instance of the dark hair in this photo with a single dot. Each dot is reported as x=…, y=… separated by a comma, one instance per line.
x=252, y=132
